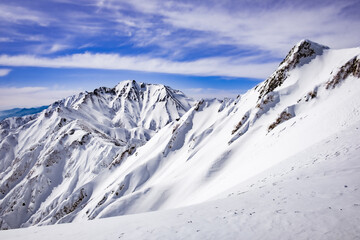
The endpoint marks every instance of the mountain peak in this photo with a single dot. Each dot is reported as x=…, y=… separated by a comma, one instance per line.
x=127, y=87
x=302, y=53
x=126, y=84
x=137, y=91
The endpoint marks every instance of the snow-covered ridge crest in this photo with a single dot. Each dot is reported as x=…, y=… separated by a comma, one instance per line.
x=129, y=104
x=302, y=53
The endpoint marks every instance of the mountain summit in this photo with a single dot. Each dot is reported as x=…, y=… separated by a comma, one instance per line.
x=302, y=53
x=50, y=160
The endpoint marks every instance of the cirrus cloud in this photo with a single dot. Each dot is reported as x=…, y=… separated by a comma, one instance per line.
x=215, y=66
x=11, y=97
x=4, y=71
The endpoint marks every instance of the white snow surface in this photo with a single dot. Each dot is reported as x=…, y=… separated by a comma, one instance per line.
x=279, y=162
x=52, y=163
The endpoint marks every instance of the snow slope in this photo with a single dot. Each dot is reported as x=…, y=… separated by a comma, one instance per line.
x=311, y=195
x=218, y=144
x=281, y=159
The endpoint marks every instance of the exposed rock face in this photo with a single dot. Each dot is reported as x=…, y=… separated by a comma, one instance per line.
x=284, y=116
x=351, y=68
x=300, y=54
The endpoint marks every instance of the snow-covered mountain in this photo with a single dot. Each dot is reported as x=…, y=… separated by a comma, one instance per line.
x=49, y=161
x=284, y=154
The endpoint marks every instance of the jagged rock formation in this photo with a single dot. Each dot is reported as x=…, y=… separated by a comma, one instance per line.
x=351, y=68
x=302, y=53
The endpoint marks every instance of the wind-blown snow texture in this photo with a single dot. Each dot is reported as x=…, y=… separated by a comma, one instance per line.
x=281, y=161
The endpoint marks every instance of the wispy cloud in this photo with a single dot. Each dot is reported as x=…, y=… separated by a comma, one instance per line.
x=272, y=28
x=31, y=96
x=48, y=48
x=173, y=36
x=4, y=71
x=216, y=66
x=19, y=14
x=5, y=39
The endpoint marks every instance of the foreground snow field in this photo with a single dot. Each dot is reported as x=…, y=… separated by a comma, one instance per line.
x=314, y=194
x=279, y=162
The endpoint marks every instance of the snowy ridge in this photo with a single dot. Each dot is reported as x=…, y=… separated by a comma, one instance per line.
x=49, y=161
x=285, y=152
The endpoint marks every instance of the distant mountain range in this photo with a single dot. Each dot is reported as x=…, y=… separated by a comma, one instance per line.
x=281, y=159
x=19, y=112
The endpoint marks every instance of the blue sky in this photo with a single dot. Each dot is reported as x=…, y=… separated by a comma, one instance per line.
x=50, y=49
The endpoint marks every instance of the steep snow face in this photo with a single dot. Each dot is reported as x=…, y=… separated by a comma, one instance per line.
x=218, y=144
x=48, y=161
x=314, y=194
x=197, y=156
